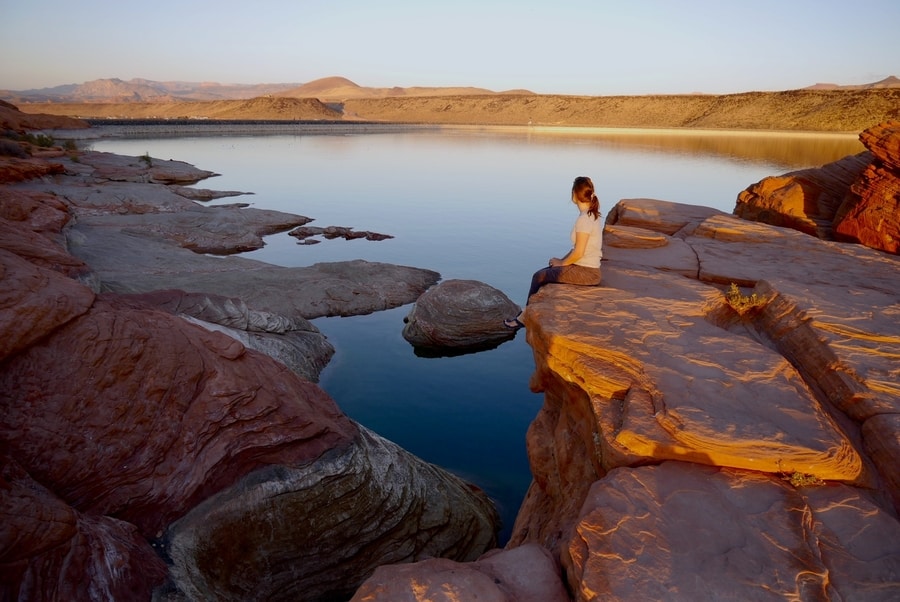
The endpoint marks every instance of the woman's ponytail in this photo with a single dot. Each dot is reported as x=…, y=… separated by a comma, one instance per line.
x=583, y=189
x=594, y=209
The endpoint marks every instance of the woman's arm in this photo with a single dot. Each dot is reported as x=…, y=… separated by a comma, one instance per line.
x=577, y=252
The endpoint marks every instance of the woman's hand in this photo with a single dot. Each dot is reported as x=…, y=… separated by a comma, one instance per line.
x=577, y=252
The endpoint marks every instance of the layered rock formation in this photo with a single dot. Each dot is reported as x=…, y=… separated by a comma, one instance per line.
x=720, y=417
x=135, y=430
x=855, y=199
x=659, y=366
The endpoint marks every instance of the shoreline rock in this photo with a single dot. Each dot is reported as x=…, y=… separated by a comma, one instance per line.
x=654, y=367
x=120, y=414
x=855, y=199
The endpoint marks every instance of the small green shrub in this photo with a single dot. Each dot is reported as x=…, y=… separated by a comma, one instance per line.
x=742, y=303
x=800, y=479
x=41, y=140
x=146, y=158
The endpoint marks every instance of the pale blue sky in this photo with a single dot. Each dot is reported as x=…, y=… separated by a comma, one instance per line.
x=592, y=47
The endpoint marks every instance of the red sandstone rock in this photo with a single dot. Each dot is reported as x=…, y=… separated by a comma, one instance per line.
x=39, y=211
x=34, y=302
x=679, y=531
x=19, y=170
x=883, y=140
x=872, y=214
x=806, y=200
x=168, y=414
x=523, y=574
x=856, y=199
x=656, y=365
x=49, y=551
x=129, y=417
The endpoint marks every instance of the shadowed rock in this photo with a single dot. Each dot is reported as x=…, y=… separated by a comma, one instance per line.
x=50, y=551
x=459, y=315
x=304, y=234
x=316, y=532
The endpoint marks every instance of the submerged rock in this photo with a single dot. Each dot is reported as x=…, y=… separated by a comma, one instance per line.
x=459, y=315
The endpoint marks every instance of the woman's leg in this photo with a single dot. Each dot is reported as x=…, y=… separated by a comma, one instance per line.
x=567, y=274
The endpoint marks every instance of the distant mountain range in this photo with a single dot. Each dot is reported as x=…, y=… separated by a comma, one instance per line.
x=329, y=89
x=143, y=90
x=888, y=82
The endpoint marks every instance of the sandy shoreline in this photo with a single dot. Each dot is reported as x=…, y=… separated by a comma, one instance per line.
x=180, y=128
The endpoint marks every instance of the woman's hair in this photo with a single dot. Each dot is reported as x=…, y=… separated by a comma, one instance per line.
x=583, y=192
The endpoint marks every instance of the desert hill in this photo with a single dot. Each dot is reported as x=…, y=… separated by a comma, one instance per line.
x=338, y=89
x=888, y=82
x=798, y=110
x=142, y=90
x=114, y=90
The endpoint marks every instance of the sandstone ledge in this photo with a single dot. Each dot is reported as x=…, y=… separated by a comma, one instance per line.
x=655, y=365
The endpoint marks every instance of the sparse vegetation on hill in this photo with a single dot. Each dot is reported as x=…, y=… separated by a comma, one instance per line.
x=824, y=110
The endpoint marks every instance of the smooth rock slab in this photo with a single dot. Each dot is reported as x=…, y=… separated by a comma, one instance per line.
x=317, y=531
x=127, y=263
x=295, y=342
x=666, y=382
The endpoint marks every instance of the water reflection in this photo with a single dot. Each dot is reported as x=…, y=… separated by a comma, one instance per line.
x=789, y=150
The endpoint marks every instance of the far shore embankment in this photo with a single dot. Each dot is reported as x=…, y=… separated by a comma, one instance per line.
x=848, y=111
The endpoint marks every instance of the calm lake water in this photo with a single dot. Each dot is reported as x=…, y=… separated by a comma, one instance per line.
x=473, y=203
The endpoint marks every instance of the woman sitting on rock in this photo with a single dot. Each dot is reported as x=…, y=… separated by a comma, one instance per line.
x=581, y=265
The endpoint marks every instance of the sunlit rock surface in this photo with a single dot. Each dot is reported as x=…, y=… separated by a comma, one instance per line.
x=657, y=365
x=871, y=213
x=459, y=314
x=855, y=199
x=681, y=531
